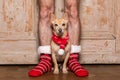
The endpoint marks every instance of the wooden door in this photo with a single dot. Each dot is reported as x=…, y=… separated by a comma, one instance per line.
x=100, y=38
x=17, y=32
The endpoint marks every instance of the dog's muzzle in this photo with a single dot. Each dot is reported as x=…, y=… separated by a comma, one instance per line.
x=60, y=30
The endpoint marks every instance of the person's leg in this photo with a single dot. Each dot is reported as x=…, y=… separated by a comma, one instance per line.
x=46, y=8
x=45, y=64
x=72, y=8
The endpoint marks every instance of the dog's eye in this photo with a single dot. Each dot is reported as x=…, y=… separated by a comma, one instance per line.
x=56, y=25
x=63, y=24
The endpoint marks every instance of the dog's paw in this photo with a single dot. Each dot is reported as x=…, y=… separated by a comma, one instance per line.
x=56, y=72
x=65, y=71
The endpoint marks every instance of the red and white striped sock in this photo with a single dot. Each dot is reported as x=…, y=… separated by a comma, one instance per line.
x=43, y=66
x=45, y=63
x=73, y=63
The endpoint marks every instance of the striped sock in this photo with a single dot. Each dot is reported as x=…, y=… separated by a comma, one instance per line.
x=75, y=66
x=44, y=65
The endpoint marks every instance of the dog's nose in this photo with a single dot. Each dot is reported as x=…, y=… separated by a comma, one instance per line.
x=60, y=30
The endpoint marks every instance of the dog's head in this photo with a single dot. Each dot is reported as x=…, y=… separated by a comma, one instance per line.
x=59, y=25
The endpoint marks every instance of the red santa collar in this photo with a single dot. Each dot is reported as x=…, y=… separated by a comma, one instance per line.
x=62, y=42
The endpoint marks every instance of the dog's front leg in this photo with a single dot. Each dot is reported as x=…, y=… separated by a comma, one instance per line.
x=56, y=70
x=64, y=69
x=67, y=49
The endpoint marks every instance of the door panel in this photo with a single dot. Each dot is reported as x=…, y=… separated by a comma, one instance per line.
x=97, y=15
x=17, y=32
x=98, y=31
x=100, y=26
x=16, y=19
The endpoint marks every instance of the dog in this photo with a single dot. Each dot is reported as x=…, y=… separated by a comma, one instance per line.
x=60, y=43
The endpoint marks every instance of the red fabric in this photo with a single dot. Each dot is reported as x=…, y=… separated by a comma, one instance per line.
x=44, y=65
x=60, y=41
x=75, y=66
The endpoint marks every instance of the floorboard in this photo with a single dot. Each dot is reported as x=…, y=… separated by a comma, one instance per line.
x=97, y=72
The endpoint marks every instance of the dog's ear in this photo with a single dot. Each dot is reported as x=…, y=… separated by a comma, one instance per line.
x=52, y=18
x=66, y=17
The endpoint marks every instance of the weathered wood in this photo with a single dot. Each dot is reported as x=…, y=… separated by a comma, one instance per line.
x=96, y=72
x=17, y=32
x=18, y=52
x=98, y=31
x=17, y=46
x=98, y=45
x=19, y=29
x=97, y=15
x=88, y=35
x=99, y=58
x=117, y=25
x=16, y=18
x=21, y=58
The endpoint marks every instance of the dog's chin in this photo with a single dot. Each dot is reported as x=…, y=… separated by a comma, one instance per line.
x=60, y=34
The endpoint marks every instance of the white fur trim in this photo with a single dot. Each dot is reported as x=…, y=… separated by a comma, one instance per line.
x=75, y=49
x=44, y=49
x=61, y=51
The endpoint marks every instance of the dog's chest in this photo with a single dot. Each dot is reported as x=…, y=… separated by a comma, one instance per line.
x=59, y=58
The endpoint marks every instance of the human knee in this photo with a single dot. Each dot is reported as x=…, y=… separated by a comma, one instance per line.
x=44, y=13
x=74, y=13
x=73, y=8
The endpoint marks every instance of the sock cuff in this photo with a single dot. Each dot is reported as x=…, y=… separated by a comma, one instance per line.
x=44, y=49
x=47, y=49
x=75, y=49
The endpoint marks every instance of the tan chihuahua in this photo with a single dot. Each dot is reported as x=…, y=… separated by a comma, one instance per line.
x=60, y=43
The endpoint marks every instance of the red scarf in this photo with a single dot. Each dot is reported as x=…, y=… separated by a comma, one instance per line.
x=62, y=42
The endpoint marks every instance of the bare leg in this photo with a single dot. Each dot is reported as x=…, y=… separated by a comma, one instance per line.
x=45, y=64
x=71, y=7
x=46, y=8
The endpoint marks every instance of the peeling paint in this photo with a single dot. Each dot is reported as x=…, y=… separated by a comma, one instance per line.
x=106, y=43
x=17, y=20
x=101, y=6
x=97, y=15
x=88, y=10
x=103, y=21
x=17, y=17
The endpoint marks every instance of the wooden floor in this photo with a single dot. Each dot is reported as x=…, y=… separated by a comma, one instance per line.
x=97, y=72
